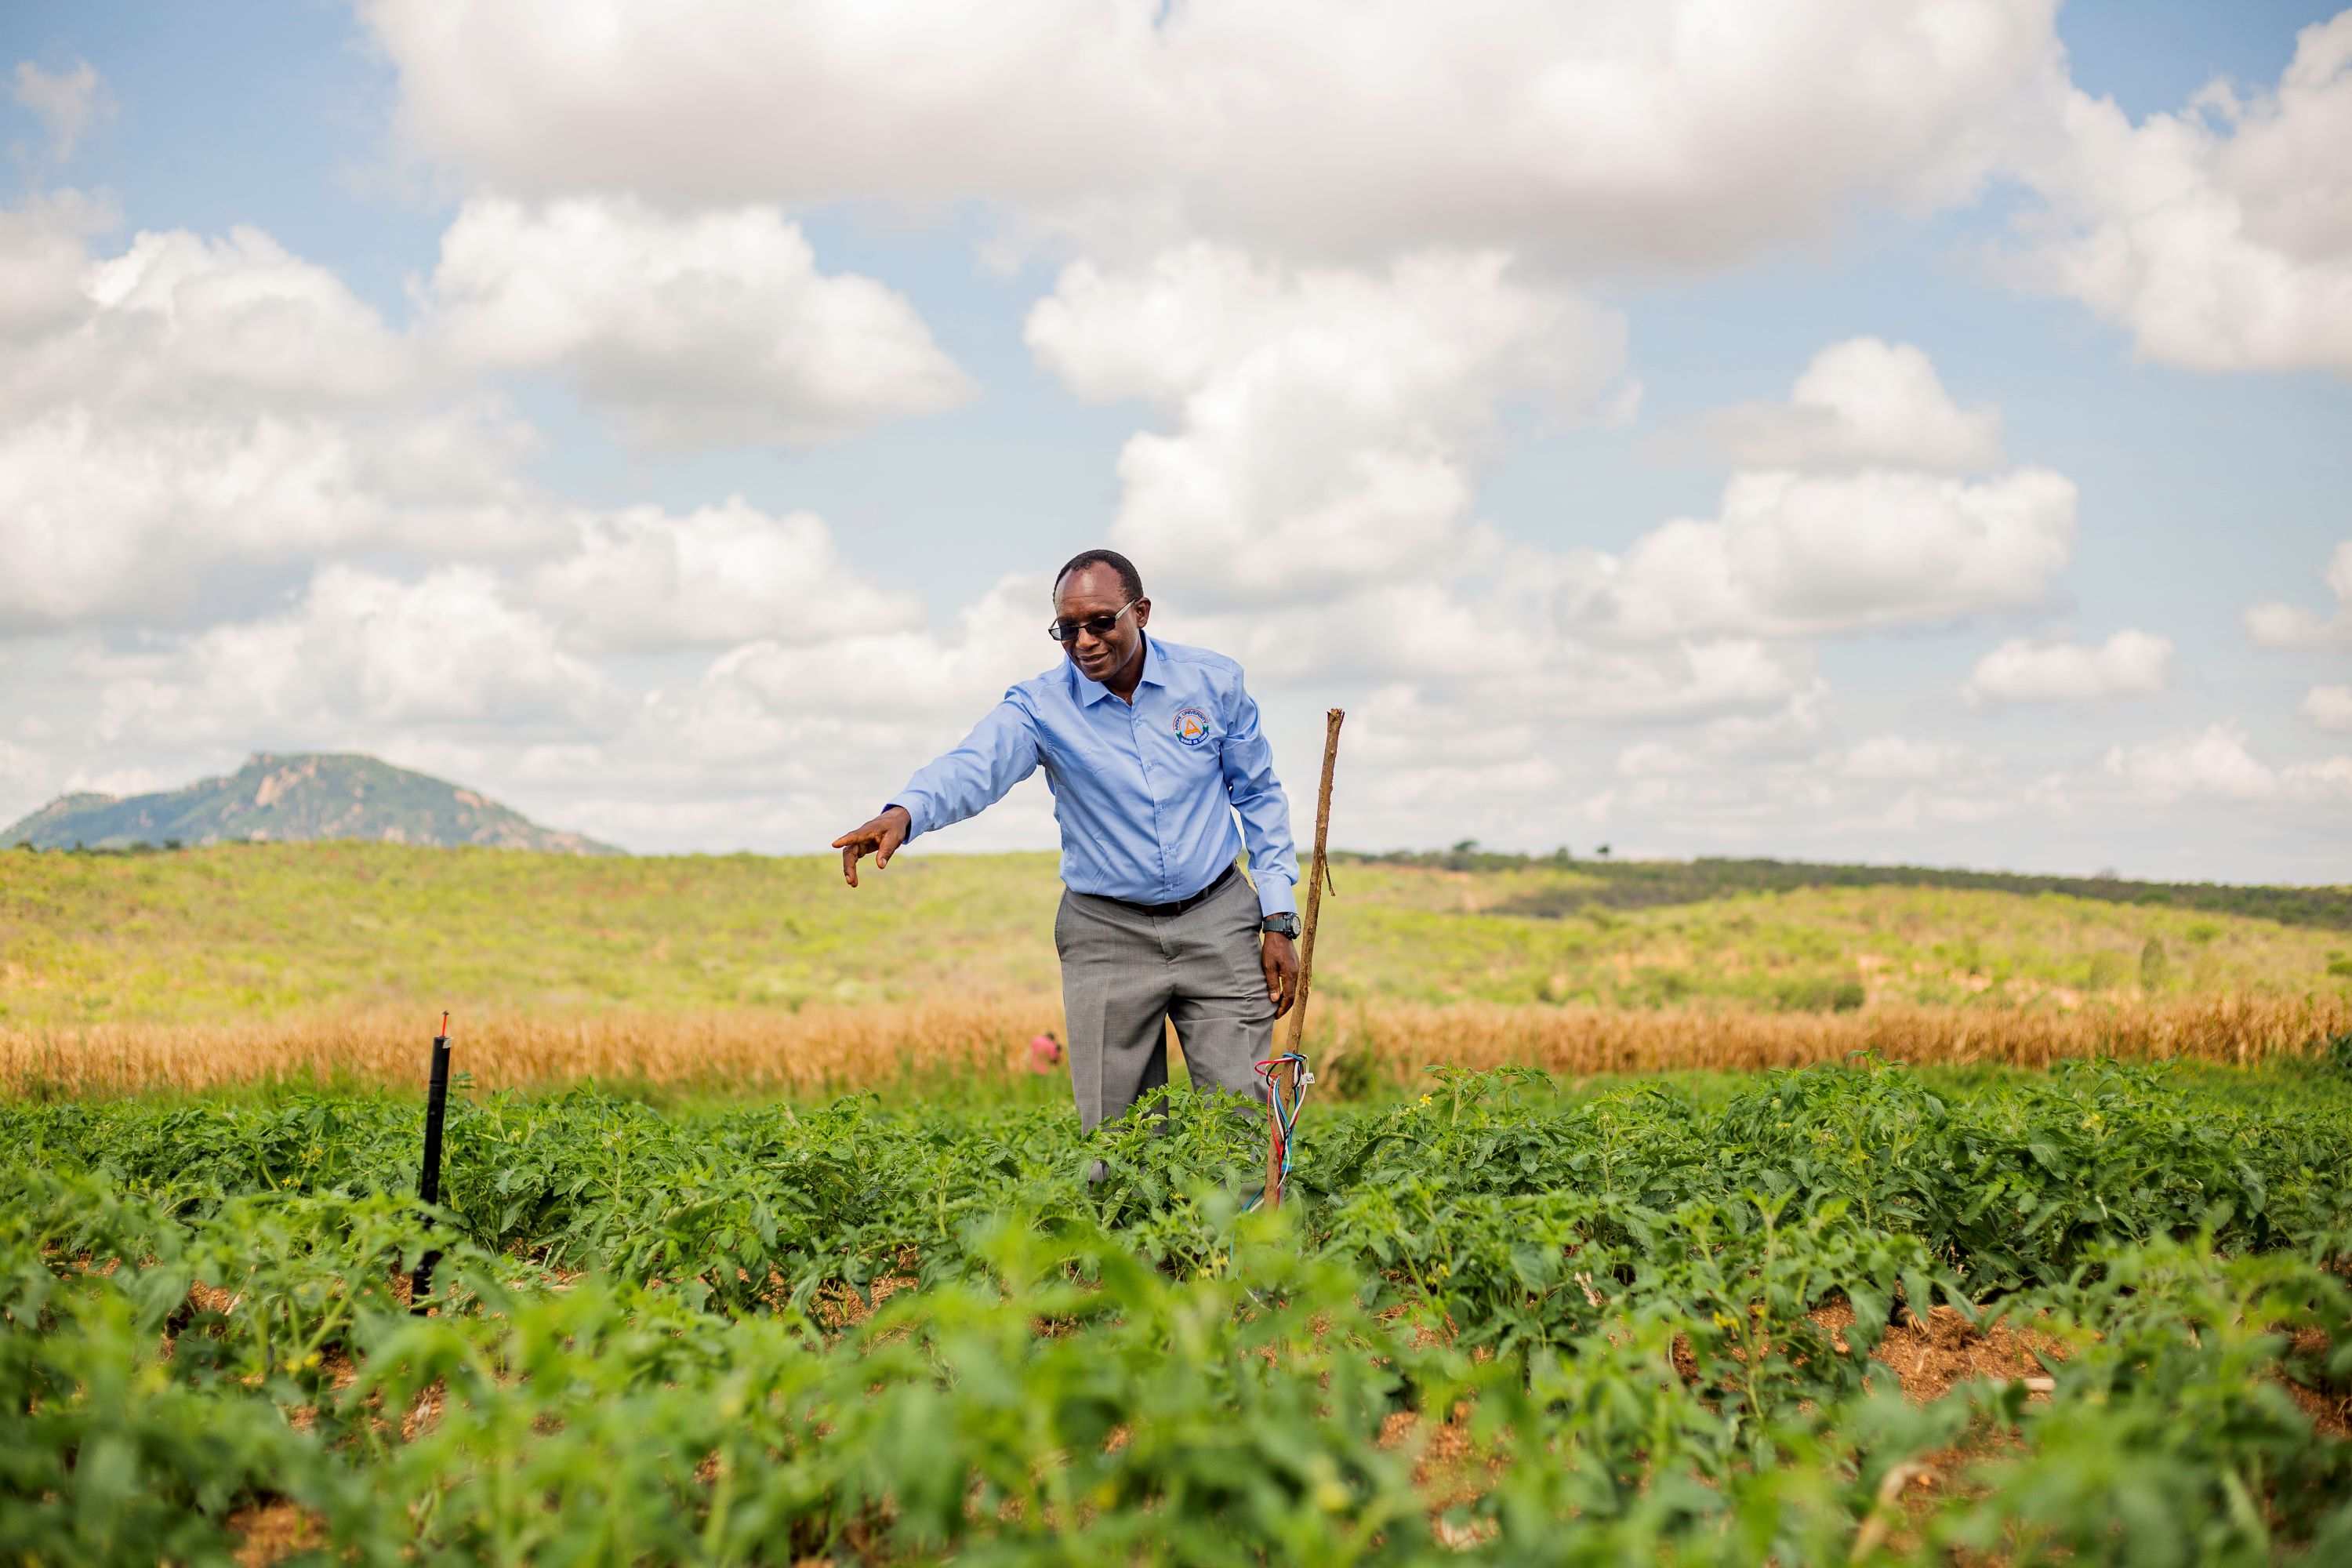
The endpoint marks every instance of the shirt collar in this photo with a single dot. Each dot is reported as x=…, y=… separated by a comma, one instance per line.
x=1091, y=691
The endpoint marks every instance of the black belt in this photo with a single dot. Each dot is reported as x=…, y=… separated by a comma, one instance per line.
x=1161, y=911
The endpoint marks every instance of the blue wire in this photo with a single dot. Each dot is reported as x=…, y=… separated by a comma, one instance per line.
x=1285, y=1117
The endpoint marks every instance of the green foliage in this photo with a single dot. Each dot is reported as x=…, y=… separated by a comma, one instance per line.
x=2167, y=1438
x=2338, y=1054
x=1352, y=1075
x=1647, y=884
x=2155, y=967
x=1818, y=993
x=1609, y=1300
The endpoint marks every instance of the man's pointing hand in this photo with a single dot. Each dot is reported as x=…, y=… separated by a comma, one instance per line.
x=880, y=839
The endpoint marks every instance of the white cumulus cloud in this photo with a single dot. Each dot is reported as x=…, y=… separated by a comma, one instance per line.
x=1863, y=402
x=360, y=653
x=2221, y=236
x=1884, y=759
x=642, y=579
x=101, y=523
x=1326, y=420
x=109, y=521
x=997, y=640
x=2214, y=763
x=1657, y=129
x=1746, y=742
x=65, y=102
x=2278, y=624
x=182, y=324
x=193, y=406
x=2129, y=663
x=1795, y=555
x=43, y=251
x=711, y=328
x=2329, y=707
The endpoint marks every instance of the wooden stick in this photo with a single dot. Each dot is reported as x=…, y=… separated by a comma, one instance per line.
x=1285, y=1076
x=1317, y=874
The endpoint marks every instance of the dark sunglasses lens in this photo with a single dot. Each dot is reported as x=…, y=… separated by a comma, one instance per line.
x=1067, y=631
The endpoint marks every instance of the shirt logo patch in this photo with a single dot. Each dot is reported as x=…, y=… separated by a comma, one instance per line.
x=1192, y=726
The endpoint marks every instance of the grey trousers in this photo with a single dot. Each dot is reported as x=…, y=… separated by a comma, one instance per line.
x=1126, y=975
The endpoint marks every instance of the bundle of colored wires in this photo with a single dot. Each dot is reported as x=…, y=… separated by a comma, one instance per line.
x=1281, y=1116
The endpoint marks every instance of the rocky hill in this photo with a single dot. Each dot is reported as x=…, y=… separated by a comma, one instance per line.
x=287, y=799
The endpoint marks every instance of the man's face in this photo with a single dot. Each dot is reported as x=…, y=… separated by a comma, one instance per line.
x=1095, y=591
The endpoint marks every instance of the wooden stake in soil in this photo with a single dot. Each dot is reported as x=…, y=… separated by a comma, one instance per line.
x=1284, y=1080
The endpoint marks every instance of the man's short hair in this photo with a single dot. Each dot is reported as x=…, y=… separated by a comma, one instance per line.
x=1130, y=582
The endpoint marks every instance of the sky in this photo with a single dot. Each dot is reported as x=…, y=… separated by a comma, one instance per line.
x=1887, y=430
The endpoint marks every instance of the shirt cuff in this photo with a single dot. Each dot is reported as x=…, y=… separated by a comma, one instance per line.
x=1275, y=897
x=913, y=807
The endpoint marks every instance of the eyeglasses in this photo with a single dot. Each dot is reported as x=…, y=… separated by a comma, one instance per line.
x=1100, y=626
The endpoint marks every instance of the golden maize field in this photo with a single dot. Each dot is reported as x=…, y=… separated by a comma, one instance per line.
x=936, y=1046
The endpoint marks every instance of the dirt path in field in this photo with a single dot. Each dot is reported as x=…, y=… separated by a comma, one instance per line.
x=1930, y=1359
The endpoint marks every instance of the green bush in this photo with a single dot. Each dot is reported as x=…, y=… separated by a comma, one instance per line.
x=2106, y=970
x=2338, y=1053
x=1818, y=993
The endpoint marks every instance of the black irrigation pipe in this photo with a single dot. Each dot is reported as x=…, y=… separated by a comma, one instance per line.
x=429, y=1181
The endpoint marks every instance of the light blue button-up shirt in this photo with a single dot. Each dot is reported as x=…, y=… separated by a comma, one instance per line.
x=1146, y=795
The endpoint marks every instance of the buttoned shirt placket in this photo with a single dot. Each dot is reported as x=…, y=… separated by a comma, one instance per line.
x=1151, y=785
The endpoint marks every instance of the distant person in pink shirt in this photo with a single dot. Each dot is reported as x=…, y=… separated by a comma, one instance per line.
x=1044, y=1054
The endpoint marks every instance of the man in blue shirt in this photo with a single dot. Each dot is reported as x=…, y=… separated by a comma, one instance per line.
x=1152, y=750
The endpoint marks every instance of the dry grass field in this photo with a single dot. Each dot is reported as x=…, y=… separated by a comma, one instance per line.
x=941, y=1049
x=196, y=969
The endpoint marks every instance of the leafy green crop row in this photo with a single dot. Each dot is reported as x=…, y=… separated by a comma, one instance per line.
x=2005, y=1183
x=1500, y=1326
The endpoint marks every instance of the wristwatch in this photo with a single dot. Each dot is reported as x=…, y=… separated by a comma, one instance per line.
x=1286, y=923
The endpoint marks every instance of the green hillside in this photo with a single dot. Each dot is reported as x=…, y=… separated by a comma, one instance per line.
x=1645, y=884
x=276, y=930
x=294, y=799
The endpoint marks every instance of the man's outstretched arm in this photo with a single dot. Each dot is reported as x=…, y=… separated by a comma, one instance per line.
x=1001, y=750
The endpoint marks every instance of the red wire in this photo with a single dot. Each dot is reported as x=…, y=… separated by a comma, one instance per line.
x=1274, y=1116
